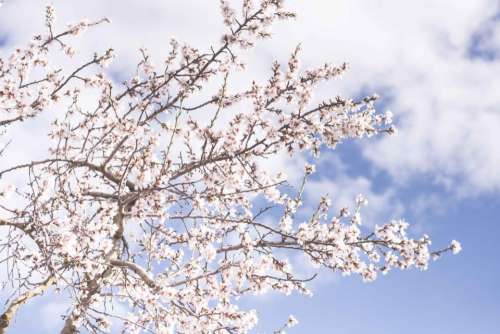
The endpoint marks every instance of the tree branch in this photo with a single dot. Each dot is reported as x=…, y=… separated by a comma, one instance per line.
x=7, y=316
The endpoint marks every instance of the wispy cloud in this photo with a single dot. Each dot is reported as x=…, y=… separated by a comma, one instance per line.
x=438, y=59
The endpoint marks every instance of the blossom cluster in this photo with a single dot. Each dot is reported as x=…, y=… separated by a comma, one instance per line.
x=155, y=195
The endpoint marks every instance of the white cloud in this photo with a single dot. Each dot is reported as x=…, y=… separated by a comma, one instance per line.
x=447, y=104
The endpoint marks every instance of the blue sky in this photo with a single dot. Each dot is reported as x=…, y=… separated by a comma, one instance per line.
x=436, y=67
x=458, y=294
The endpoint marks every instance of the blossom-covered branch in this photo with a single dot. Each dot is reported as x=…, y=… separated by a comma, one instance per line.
x=155, y=197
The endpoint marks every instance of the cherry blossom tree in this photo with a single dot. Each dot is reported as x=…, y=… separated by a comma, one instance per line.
x=153, y=210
